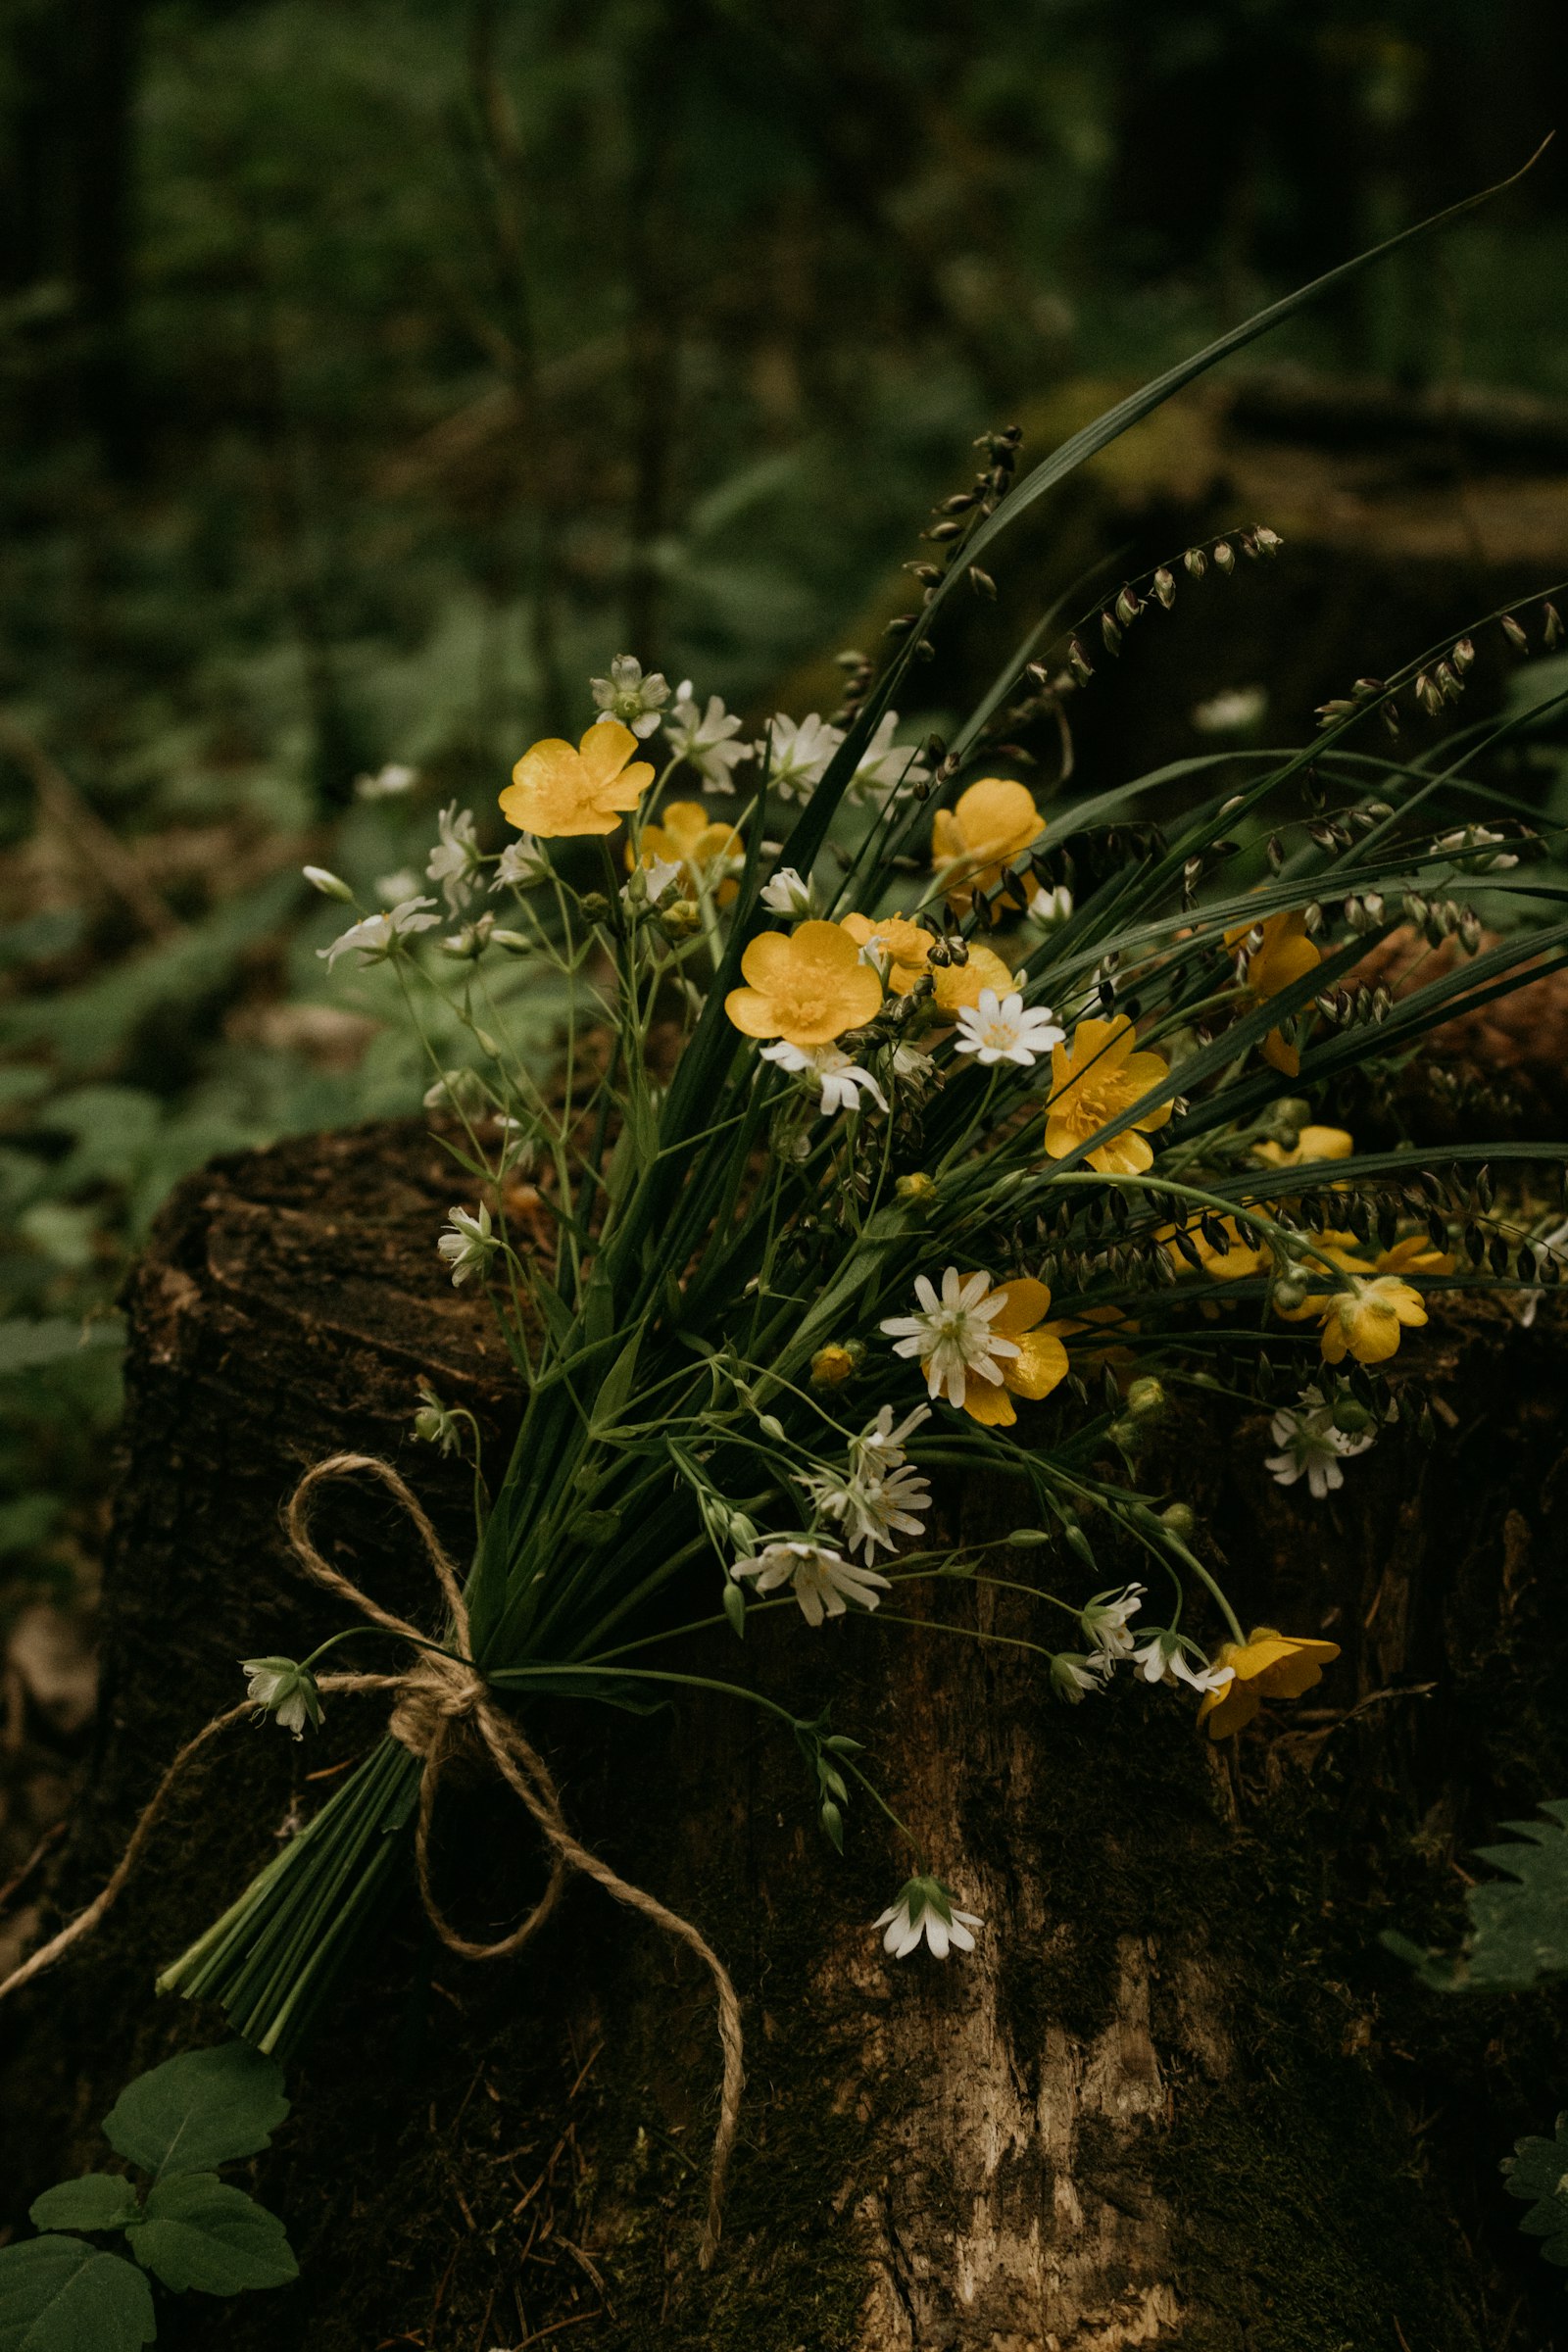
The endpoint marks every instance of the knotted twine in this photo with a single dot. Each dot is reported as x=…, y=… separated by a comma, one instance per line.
x=434, y=1698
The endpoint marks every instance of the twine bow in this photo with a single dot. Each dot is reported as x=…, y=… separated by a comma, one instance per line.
x=441, y=1690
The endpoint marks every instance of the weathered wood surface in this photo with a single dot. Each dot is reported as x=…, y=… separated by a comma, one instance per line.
x=1177, y=2097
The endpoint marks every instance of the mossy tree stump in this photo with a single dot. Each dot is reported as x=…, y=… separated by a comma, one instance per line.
x=1179, y=2096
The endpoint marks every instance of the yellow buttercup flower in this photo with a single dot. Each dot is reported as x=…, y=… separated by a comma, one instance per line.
x=1093, y=1083
x=556, y=791
x=806, y=986
x=1267, y=1665
x=902, y=949
x=833, y=1365
x=991, y=822
x=1365, y=1320
x=1285, y=956
x=1311, y=1144
x=704, y=850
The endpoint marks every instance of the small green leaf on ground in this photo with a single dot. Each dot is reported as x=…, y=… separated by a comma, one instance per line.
x=1518, y=1923
x=198, y=2110
x=1537, y=2170
x=59, y=2294
x=198, y=2233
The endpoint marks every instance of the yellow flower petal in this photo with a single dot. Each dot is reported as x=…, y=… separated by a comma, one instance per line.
x=752, y=1012
x=1230, y=1710
x=1040, y=1365
x=1026, y=1302
x=907, y=942
x=1312, y=1143
x=992, y=1406
x=960, y=984
x=1126, y=1154
x=605, y=751
x=769, y=962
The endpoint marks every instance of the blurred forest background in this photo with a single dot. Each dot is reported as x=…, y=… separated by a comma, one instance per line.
x=372, y=370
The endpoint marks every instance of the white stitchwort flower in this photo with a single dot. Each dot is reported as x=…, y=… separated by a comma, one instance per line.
x=456, y=856
x=522, y=862
x=1106, y=1618
x=650, y=882
x=461, y=1092
x=376, y=936
x=879, y=1448
x=925, y=1911
x=1164, y=1658
x=1072, y=1677
x=331, y=885
x=278, y=1687
x=1470, y=844
x=388, y=783
x=705, y=739
x=1311, y=1447
x=883, y=1508
x=1002, y=1029
x=801, y=752
x=842, y=1081
x=885, y=764
x=873, y=1504
x=470, y=1245
x=787, y=894
x=951, y=1334
x=822, y=1580
x=913, y=1067
x=628, y=695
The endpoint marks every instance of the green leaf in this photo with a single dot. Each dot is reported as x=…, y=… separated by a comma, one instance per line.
x=198, y=2110
x=1519, y=1925
x=615, y=1386
x=1537, y=2170
x=97, y=2201
x=59, y=2294
x=199, y=2233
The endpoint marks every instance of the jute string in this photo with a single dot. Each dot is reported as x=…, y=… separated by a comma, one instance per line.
x=433, y=1699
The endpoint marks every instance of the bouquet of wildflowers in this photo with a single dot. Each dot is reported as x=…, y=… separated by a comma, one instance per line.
x=908, y=1119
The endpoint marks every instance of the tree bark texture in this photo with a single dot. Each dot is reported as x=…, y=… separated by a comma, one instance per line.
x=1178, y=2096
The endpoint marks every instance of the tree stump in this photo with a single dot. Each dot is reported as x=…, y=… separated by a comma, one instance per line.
x=1178, y=2096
